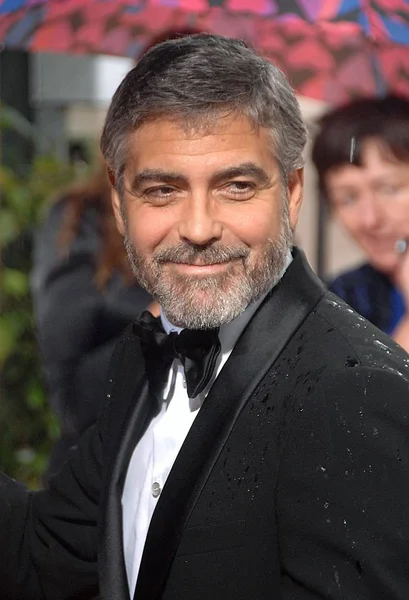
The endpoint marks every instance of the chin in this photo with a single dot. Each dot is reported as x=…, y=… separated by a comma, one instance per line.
x=384, y=265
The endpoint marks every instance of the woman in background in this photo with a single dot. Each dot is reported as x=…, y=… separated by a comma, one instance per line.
x=362, y=157
x=84, y=295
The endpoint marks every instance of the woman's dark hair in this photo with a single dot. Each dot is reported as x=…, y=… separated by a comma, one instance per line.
x=384, y=119
x=95, y=193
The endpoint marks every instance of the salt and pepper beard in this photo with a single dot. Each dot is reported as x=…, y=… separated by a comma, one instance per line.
x=204, y=302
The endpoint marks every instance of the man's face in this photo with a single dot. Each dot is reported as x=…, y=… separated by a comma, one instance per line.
x=203, y=218
x=372, y=202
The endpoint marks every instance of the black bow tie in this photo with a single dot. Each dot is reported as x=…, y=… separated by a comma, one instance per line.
x=197, y=349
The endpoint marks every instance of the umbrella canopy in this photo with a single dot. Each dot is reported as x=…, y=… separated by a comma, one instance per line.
x=330, y=49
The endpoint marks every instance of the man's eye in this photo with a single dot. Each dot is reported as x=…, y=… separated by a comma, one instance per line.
x=159, y=191
x=240, y=188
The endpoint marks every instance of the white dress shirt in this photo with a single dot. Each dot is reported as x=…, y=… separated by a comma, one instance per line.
x=158, y=448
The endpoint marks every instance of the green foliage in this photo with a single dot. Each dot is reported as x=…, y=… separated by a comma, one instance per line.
x=27, y=426
x=12, y=120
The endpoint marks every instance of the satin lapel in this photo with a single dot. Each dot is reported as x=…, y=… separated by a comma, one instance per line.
x=129, y=387
x=266, y=335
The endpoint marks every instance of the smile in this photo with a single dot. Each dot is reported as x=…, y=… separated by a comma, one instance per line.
x=385, y=243
x=198, y=269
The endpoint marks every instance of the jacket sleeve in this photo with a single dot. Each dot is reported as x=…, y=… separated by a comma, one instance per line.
x=49, y=538
x=343, y=489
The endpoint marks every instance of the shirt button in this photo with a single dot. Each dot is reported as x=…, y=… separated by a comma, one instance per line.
x=156, y=490
x=184, y=383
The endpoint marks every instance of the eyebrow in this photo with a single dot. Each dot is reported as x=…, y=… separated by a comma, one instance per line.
x=248, y=169
x=155, y=175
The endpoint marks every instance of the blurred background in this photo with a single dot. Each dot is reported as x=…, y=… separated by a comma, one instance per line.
x=60, y=63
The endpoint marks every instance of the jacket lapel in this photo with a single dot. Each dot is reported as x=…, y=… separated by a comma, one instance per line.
x=275, y=322
x=130, y=386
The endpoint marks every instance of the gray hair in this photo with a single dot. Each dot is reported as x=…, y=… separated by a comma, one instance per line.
x=195, y=78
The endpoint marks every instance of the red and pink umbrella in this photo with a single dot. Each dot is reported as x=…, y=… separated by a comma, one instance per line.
x=330, y=49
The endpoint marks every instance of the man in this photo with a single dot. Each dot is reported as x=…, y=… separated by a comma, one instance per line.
x=274, y=465
x=362, y=158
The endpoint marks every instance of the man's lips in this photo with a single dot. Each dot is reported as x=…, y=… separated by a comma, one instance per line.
x=199, y=269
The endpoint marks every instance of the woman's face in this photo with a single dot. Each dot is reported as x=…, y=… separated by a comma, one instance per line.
x=372, y=203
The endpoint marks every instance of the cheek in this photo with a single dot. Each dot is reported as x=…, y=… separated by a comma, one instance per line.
x=147, y=229
x=396, y=216
x=349, y=221
x=255, y=227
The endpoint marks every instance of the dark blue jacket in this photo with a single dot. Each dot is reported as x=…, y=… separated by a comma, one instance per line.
x=372, y=295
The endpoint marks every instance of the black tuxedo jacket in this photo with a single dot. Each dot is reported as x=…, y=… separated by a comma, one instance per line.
x=292, y=483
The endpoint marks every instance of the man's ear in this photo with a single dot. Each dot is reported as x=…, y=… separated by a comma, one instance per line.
x=116, y=205
x=295, y=190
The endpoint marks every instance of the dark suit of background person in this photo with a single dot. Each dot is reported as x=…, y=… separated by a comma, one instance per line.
x=84, y=296
x=292, y=482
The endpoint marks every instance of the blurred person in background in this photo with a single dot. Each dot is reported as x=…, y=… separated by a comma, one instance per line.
x=84, y=295
x=362, y=157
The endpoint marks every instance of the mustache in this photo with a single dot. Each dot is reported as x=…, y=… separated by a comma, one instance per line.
x=205, y=255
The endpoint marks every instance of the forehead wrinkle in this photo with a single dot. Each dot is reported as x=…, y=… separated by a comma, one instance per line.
x=164, y=155
x=180, y=132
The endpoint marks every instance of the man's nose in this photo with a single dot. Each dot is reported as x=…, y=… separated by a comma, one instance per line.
x=200, y=224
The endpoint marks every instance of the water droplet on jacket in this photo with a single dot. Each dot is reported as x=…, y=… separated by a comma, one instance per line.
x=382, y=346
